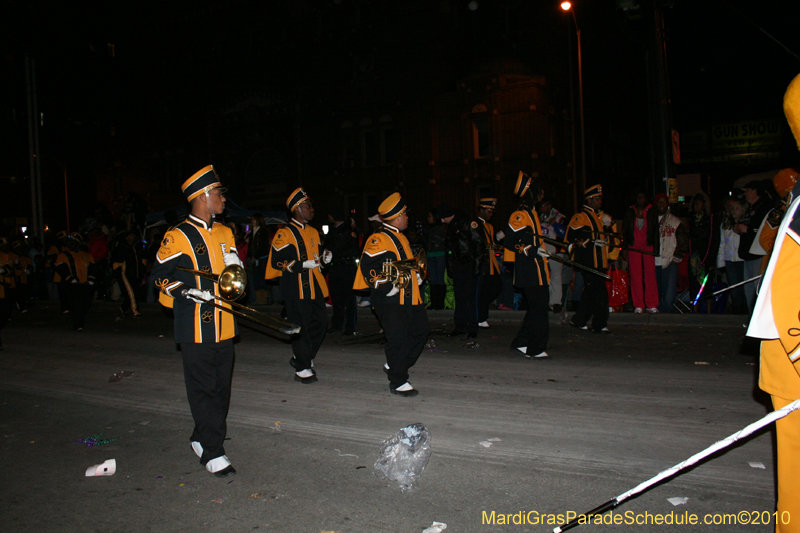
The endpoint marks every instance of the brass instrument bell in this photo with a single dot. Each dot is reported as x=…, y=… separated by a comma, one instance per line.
x=399, y=273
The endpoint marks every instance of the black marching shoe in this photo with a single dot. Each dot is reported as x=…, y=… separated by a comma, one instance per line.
x=408, y=392
x=221, y=467
x=311, y=376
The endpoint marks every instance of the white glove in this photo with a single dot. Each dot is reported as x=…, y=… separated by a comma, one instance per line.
x=91, y=283
x=311, y=263
x=231, y=258
x=419, y=279
x=394, y=291
x=74, y=281
x=500, y=236
x=327, y=257
x=606, y=219
x=196, y=295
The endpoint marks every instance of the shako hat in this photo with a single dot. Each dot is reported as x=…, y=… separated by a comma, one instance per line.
x=523, y=183
x=201, y=181
x=594, y=190
x=487, y=203
x=297, y=196
x=392, y=207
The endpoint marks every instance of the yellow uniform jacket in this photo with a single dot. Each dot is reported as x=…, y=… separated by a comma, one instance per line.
x=194, y=245
x=522, y=246
x=292, y=245
x=488, y=230
x=776, y=317
x=75, y=265
x=8, y=276
x=588, y=226
x=386, y=244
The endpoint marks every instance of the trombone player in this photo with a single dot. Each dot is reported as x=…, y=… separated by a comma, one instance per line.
x=395, y=294
x=203, y=332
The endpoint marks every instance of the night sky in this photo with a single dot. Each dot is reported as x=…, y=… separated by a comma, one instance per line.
x=173, y=65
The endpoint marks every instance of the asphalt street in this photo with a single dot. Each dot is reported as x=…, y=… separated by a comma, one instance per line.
x=513, y=440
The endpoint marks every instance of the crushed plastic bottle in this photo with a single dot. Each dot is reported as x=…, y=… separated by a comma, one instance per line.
x=404, y=456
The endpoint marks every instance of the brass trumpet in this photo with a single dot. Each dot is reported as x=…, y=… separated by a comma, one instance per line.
x=232, y=282
x=400, y=273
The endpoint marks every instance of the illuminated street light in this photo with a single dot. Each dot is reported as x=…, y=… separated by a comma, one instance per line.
x=567, y=6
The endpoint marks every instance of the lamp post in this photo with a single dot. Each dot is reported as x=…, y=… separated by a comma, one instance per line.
x=567, y=6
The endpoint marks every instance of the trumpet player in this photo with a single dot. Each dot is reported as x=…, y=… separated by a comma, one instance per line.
x=295, y=258
x=395, y=296
x=203, y=332
x=490, y=285
x=531, y=274
x=590, y=229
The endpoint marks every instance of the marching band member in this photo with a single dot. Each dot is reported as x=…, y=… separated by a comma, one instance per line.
x=490, y=284
x=588, y=229
x=776, y=320
x=204, y=333
x=295, y=258
x=531, y=272
x=76, y=268
x=398, y=305
x=466, y=252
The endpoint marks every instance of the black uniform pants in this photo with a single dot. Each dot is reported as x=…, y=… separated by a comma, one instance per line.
x=80, y=298
x=128, y=287
x=594, y=302
x=406, y=330
x=5, y=313
x=341, y=278
x=535, y=331
x=465, y=290
x=63, y=295
x=207, y=371
x=489, y=288
x=312, y=318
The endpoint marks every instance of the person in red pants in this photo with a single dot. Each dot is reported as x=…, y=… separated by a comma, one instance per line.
x=639, y=229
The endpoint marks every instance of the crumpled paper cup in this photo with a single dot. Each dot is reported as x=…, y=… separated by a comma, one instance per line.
x=106, y=469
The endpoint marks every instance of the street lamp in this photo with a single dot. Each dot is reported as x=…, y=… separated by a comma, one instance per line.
x=567, y=6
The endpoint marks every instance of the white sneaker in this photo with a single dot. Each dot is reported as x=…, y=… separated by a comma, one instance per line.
x=307, y=373
x=198, y=448
x=483, y=324
x=522, y=349
x=363, y=304
x=638, y=310
x=537, y=356
x=404, y=387
x=652, y=310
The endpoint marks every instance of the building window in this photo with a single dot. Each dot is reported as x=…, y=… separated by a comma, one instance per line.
x=349, y=145
x=481, y=135
x=388, y=141
x=370, y=146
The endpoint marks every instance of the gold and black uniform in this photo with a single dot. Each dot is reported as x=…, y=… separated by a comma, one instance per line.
x=490, y=284
x=194, y=245
x=531, y=274
x=303, y=289
x=204, y=333
x=402, y=315
x=586, y=229
x=76, y=268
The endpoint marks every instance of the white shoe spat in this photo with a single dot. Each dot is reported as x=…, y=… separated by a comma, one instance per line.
x=217, y=464
x=198, y=448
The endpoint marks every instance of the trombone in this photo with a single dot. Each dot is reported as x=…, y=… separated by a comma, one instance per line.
x=232, y=282
x=399, y=273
